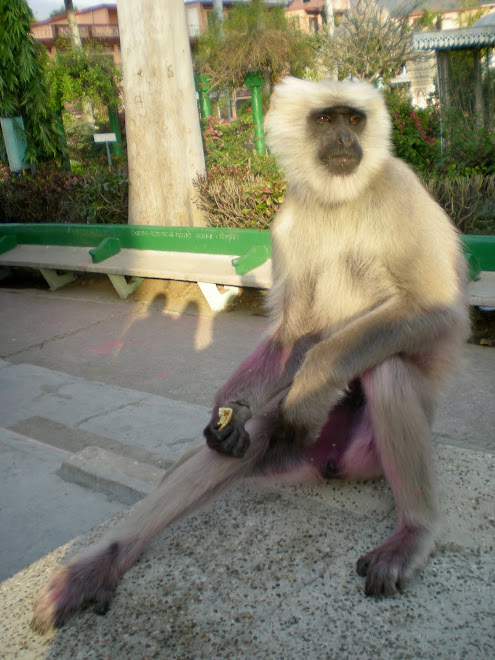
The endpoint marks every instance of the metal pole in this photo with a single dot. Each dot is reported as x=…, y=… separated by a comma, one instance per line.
x=203, y=85
x=255, y=82
x=113, y=118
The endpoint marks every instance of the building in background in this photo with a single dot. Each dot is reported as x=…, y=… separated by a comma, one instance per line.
x=308, y=15
x=99, y=23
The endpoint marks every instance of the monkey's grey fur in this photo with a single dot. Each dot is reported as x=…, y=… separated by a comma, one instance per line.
x=367, y=313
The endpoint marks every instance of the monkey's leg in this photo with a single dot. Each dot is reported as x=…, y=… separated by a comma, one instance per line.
x=396, y=394
x=198, y=477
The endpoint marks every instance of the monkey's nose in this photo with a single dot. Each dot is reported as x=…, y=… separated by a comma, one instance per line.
x=344, y=138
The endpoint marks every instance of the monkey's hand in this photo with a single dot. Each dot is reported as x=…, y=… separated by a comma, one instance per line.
x=225, y=432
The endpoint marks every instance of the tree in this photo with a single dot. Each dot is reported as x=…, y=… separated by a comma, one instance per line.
x=23, y=85
x=370, y=43
x=255, y=38
x=74, y=34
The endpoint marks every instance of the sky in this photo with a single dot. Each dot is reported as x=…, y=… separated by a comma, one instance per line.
x=43, y=8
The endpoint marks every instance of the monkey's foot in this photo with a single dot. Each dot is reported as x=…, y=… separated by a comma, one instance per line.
x=72, y=586
x=389, y=567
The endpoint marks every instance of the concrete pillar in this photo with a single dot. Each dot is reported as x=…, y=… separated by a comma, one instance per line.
x=164, y=146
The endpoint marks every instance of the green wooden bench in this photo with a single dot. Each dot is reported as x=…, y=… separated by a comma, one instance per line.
x=234, y=258
x=480, y=254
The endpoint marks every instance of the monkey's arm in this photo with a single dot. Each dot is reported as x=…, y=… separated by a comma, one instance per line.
x=393, y=327
x=263, y=376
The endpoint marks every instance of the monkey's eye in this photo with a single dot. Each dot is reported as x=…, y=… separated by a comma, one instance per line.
x=354, y=119
x=323, y=119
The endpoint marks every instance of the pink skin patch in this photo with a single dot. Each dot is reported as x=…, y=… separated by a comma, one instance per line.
x=109, y=347
x=284, y=356
x=160, y=375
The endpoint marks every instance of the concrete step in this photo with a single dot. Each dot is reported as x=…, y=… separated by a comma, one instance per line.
x=76, y=439
x=107, y=472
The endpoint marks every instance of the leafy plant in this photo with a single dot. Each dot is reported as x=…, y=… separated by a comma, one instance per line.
x=57, y=196
x=23, y=85
x=468, y=201
x=76, y=76
x=242, y=189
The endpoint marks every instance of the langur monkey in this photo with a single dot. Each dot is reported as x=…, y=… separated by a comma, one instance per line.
x=367, y=314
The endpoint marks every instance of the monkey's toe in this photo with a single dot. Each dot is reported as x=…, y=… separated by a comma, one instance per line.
x=362, y=566
x=101, y=607
x=384, y=574
x=331, y=470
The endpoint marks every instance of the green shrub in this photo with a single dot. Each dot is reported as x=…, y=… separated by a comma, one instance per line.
x=470, y=148
x=242, y=189
x=226, y=144
x=237, y=197
x=469, y=201
x=58, y=196
x=80, y=140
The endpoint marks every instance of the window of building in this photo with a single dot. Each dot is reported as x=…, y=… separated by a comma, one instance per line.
x=313, y=24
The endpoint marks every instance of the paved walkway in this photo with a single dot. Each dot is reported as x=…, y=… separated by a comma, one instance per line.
x=106, y=393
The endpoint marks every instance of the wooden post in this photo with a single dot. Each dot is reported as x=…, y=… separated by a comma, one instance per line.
x=164, y=146
x=478, y=89
x=443, y=89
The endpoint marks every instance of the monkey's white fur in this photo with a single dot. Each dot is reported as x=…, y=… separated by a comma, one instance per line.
x=288, y=117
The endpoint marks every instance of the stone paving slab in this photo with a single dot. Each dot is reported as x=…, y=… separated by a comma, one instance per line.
x=38, y=509
x=126, y=415
x=270, y=573
x=261, y=573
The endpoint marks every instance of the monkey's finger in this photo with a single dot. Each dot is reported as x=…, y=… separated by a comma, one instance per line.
x=235, y=443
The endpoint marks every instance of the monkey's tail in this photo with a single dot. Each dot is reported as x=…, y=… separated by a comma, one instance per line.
x=198, y=477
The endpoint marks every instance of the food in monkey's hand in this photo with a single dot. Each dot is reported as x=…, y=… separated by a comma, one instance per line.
x=224, y=417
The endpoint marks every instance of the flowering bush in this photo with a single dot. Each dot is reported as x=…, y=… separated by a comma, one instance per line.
x=241, y=189
x=414, y=133
x=227, y=143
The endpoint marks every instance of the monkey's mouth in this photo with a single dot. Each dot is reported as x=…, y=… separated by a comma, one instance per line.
x=342, y=163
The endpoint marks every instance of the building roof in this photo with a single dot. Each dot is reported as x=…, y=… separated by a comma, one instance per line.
x=281, y=3
x=488, y=19
x=76, y=11
x=462, y=38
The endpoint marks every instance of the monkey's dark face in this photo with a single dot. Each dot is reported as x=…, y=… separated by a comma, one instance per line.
x=336, y=131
